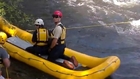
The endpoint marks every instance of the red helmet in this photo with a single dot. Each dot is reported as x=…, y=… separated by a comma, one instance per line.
x=58, y=13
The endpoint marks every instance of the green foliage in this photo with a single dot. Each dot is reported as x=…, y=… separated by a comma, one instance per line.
x=2, y=11
x=10, y=9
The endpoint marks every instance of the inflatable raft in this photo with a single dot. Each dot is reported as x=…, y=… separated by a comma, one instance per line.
x=98, y=68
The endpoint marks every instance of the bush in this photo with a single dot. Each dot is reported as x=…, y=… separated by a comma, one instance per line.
x=9, y=9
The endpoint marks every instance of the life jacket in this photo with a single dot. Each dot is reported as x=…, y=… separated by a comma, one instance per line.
x=42, y=37
x=61, y=40
x=50, y=32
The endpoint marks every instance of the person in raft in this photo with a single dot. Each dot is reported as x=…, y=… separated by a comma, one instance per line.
x=4, y=56
x=40, y=38
x=57, y=47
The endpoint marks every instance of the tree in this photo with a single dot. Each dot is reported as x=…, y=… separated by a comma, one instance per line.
x=10, y=10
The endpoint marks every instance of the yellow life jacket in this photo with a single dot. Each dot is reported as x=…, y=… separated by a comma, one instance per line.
x=62, y=38
x=42, y=36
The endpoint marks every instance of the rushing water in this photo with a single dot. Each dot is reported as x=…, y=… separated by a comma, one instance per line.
x=117, y=32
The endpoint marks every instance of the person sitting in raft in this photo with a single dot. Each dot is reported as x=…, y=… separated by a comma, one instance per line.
x=40, y=38
x=57, y=47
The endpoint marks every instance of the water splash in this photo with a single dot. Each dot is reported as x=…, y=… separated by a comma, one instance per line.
x=85, y=3
x=134, y=28
x=123, y=3
x=135, y=23
x=93, y=12
x=79, y=2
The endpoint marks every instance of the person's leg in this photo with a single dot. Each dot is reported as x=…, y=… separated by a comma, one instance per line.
x=71, y=59
x=67, y=59
x=63, y=56
x=33, y=49
x=74, y=61
x=55, y=54
x=30, y=49
x=44, y=50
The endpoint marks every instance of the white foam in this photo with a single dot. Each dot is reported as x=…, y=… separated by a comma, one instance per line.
x=123, y=3
x=135, y=23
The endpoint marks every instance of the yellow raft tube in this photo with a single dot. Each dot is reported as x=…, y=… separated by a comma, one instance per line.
x=99, y=68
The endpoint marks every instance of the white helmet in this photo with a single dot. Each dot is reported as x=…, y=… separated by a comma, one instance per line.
x=39, y=22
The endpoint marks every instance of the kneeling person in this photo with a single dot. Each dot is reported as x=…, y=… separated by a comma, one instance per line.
x=58, y=45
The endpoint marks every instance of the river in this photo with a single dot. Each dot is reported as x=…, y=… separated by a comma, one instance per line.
x=114, y=30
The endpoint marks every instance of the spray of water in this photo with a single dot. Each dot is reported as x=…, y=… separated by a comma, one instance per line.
x=93, y=8
x=135, y=23
x=123, y=3
x=133, y=30
x=135, y=27
x=86, y=3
